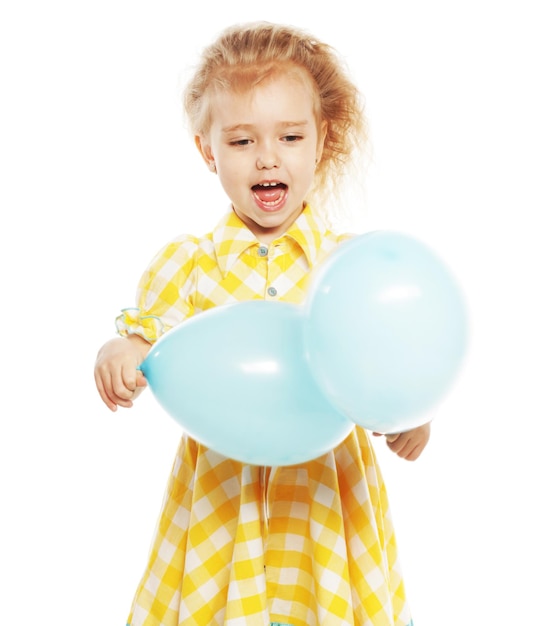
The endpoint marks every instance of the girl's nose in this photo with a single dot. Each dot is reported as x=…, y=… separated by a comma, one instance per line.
x=267, y=159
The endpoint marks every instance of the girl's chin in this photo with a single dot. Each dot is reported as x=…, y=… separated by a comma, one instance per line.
x=269, y=220
x=265, y=229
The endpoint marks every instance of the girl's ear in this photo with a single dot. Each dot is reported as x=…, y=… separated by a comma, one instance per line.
x=321, y=139
x=206, y=152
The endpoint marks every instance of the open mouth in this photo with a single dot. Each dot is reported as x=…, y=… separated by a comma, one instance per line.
x=270, y=195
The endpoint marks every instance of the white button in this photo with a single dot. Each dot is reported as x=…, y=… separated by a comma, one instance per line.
x=262, y=251
x=272, y=291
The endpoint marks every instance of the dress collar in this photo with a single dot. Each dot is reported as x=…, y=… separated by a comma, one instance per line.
x=231, y=237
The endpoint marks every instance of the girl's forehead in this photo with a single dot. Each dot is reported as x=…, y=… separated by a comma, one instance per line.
x=281, y=99
x=279, y=95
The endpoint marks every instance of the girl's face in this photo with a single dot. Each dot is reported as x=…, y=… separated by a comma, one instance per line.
x=265, y=144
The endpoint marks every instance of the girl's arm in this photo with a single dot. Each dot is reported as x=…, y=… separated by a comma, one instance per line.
x=409, y=445
x=118, y=380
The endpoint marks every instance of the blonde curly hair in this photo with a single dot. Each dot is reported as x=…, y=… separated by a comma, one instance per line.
x=246, y=54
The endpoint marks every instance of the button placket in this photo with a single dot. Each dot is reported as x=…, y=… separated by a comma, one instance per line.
x=265, y=252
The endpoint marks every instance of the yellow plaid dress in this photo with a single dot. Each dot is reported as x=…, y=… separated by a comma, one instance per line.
x=242, y=545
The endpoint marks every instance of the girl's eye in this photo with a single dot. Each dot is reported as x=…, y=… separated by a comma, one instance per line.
x=240, y=142
x=291, y=138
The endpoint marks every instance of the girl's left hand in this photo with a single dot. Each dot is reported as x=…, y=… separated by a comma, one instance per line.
x=408, y=445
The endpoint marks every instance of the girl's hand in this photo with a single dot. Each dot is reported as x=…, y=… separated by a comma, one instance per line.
x=118, y=380
x=409, y=445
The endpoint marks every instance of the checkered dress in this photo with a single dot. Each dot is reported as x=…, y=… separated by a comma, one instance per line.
x=242, y=545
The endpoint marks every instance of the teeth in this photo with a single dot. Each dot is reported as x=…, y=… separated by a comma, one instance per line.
x=269, y=184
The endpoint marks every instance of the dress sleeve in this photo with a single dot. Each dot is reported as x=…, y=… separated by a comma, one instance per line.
x=165, y=292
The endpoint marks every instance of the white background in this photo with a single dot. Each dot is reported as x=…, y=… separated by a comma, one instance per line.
x=97, y=172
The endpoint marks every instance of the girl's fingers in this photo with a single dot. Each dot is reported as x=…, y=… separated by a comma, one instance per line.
x=104, y=395
x=117, y=378
x=414, y=454
x=126, y=383
x=115, y=391
x=141, y=380
x=392, y=438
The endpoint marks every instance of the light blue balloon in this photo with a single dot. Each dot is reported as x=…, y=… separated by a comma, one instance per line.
x=236, y=378
x=385, y=330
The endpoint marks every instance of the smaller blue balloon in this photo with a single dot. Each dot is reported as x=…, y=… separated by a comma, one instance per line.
x=385, y=330
x=236, y=378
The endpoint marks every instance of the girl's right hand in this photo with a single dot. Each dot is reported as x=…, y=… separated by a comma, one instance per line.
x=118, y=380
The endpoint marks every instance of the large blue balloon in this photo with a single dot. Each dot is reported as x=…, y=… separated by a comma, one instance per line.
x=385, y=330
x=236, y=378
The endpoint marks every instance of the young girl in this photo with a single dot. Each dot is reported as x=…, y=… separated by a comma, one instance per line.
x=276, y=118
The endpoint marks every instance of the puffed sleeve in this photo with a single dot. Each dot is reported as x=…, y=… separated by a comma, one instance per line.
x=165, y=292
